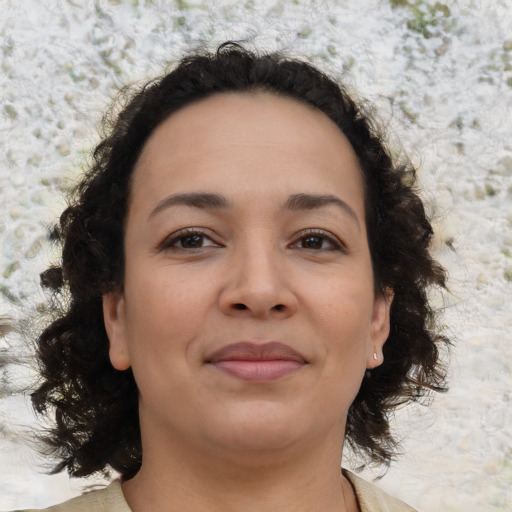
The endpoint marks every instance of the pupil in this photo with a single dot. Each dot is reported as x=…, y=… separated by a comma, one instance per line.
x=312, y=242
x=192, y=241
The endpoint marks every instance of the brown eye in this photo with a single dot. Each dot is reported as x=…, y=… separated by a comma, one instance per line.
x=191, y=241
x=312, y=242
x=318, y=240
x=187, y=239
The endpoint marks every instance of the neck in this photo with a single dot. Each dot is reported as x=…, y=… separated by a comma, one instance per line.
x=293, y=480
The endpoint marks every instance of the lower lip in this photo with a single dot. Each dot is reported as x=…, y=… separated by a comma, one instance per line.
x=259, y=371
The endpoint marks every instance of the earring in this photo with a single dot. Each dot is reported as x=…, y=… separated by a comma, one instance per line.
x=375, y=356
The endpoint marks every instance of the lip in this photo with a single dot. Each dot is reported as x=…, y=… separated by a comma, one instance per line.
x=257, y=362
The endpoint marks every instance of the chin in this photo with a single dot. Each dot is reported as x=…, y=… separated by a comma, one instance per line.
x=262, y=430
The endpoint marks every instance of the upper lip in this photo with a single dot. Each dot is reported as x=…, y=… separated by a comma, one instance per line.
x=248, y=351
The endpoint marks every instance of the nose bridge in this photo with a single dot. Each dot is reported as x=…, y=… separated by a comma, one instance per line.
x=257, y=279
x=258, y=267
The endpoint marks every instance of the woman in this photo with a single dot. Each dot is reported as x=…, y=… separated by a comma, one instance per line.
x=245, y=271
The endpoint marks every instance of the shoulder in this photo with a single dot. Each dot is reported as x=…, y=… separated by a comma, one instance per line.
x=373, y=499
x=110, y=499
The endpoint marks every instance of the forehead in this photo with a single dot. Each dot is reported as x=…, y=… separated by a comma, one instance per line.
x=258, y=139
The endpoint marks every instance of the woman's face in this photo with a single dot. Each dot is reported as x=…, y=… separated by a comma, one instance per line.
x=248, y=312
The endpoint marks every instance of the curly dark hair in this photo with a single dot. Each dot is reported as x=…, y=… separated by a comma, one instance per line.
x=95, y=407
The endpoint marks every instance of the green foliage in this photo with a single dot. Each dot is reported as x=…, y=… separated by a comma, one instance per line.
x=490, y=190
x=4, y=290
x=11, y=268
x=11, y=111
x=424, y=16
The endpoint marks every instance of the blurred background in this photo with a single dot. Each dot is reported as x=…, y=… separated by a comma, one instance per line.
x=440, y=75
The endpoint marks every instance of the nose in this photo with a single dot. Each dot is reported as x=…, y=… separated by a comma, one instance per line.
x=258, y=286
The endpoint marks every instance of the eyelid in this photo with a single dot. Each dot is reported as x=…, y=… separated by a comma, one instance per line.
x=336, y=241
x=169, y=241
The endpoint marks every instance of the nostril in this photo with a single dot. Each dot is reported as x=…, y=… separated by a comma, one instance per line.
x=242, y=307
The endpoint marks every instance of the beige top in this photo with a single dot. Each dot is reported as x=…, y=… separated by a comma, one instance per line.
x=111, y=499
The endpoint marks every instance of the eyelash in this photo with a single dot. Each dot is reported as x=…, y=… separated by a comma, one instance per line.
x=336, y=244
x=174, y=238
x=169, y=242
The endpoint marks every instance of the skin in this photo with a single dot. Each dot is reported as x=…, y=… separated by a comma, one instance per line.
x=256, y=271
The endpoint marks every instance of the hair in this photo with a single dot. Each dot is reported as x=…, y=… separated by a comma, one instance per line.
x=94, y=406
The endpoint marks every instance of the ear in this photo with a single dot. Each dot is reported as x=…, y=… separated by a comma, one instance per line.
x=114, y=315
x=380, y=327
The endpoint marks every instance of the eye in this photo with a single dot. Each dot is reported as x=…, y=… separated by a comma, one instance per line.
x=188, y=239
x=318, y=240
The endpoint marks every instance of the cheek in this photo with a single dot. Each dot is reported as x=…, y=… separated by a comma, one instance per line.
x=341, y=312
x=165, y=311
x=344, y=303
x=164, y=318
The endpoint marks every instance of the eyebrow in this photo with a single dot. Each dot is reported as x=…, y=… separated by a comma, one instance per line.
x=314, y=201
x=194, y=199
x=295, y=202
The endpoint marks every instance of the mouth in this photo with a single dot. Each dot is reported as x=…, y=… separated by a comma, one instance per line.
x=254, y=362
